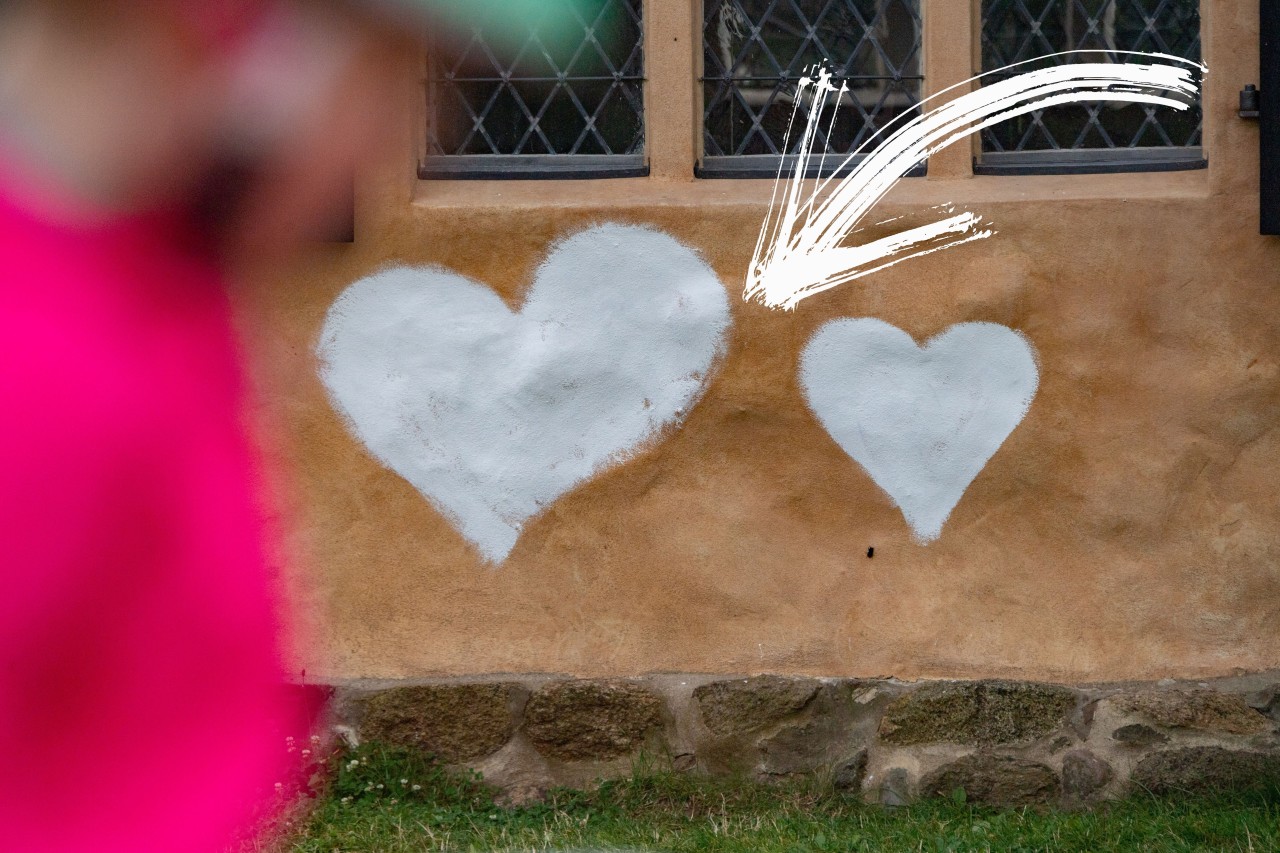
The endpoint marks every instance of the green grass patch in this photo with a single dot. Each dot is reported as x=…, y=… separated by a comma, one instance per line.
x=393, y=802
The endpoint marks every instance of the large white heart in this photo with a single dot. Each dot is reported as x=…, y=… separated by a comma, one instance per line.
x=493, y=415
x=922, y=420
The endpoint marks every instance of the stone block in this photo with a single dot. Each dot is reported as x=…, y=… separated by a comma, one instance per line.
x=751, y=704
x=1084, y=775
x=1205, y=710
x=1265, y=701
x=994, y=780
x=799, y=748
x=591, y=720
x=817, y=739
x=895, y=789
x=456, y=722
x=976, y=712
x=1137, y=734
x=1206, y=770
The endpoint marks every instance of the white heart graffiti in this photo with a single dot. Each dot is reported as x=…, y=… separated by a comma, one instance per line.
x=922, y=420
x=493, y=415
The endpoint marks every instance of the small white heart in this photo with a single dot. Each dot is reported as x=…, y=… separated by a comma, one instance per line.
x=921, y=420
x=493, y=415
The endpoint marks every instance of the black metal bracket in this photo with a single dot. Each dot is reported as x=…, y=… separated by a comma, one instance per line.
x=1249, y=102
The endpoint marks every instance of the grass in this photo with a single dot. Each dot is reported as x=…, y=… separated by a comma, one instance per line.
x=392, y=802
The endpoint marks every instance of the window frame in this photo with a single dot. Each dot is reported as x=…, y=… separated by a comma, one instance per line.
x=740, y=166
x=674, y=110
x=1085, y=161
x=489, y=167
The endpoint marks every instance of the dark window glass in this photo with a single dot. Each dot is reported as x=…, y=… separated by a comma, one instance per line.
x=1018, y=30
x=754, y=51
x=578, y=97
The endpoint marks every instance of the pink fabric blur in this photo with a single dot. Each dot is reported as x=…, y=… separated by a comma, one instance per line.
x=141, y=699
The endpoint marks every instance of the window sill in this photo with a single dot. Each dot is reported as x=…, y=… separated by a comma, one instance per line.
x=626, y=194
x=515, y=167
x=755, y=167
x=1087, y=161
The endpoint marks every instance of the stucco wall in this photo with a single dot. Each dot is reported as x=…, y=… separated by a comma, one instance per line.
x=1129, y=528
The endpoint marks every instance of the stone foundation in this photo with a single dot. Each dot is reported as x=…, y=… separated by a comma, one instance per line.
x=1005, y=743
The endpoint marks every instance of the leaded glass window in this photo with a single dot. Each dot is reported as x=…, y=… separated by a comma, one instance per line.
x=543, y=108
x=1100, y=136
x=755, y=50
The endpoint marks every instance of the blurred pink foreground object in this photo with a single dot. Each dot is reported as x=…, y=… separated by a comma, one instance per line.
x=141, y=706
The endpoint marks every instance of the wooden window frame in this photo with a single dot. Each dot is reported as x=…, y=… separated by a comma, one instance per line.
x=674, y=106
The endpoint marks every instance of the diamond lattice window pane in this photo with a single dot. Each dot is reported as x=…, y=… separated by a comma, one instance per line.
x=1020, y=30
x=578, y=96
x=754, y=51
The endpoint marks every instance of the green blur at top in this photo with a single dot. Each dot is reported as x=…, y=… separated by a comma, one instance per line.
x=508, y=23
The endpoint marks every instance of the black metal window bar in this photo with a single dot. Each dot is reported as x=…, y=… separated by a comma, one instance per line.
x=754, y=51
x=547, y=109
x=1098, y=136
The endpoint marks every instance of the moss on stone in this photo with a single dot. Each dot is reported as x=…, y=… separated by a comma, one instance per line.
x=1207, y=770
x=976, y=712
x=1206, y=710
x=750, y=704
x=591, y=720
x=457, y=722
x=994, y=780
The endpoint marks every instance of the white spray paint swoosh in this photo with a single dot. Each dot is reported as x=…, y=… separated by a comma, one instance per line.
x=802, y=248
x=921, y=420
x=493, y=414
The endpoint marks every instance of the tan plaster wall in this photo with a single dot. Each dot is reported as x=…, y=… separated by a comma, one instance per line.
x=1128, y=528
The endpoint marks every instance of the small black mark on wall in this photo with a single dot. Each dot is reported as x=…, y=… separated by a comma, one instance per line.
x=871, y=552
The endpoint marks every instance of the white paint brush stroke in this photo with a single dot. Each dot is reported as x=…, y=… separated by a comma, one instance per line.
x=493, y=415
x=802, y=248
x=922, y=420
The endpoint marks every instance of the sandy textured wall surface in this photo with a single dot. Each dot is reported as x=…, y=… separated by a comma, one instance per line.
x=1127, y=528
